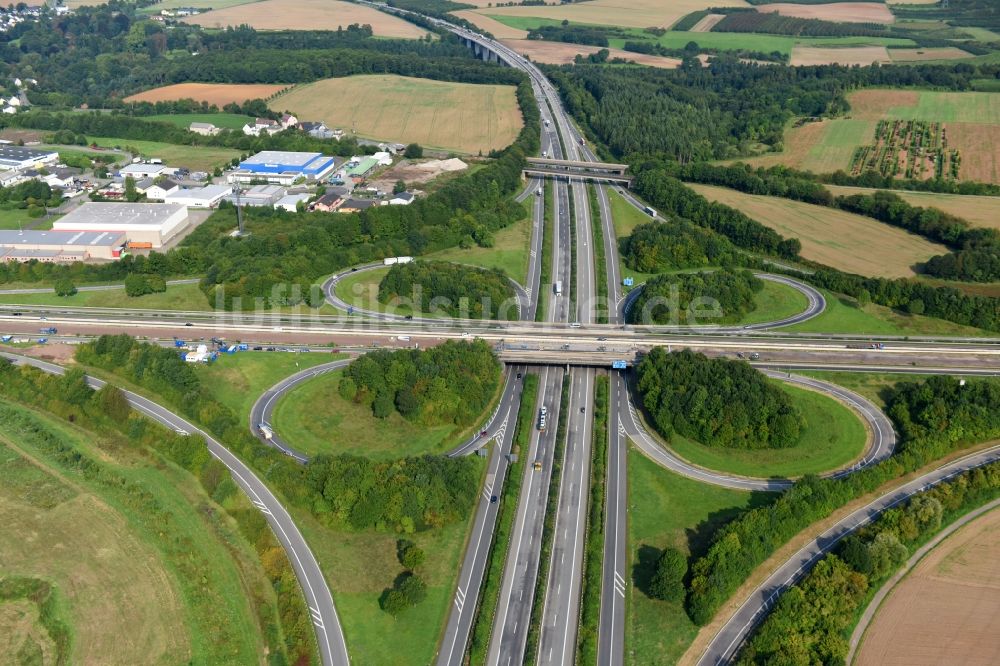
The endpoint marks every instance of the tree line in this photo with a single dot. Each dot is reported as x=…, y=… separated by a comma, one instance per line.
x=717, y=402
x=742, y=544
x=717, y=297
x=459, y=290
x=451, y=383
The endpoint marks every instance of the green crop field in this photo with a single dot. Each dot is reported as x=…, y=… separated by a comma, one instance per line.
x=196, y=158
x=113, y=568
x=176, y=297
x=232, y=121
x=463, y=117
x=667, y=510
x=314, y=419
x=238, y=380
x=834, y=437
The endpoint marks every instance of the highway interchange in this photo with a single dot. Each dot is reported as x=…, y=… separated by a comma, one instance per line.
x=541, y=348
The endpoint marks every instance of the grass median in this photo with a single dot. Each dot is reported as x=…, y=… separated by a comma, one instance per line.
x=600, y=257
x=593, y=554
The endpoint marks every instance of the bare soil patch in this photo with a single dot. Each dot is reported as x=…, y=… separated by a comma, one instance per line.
x=219, y=94
x=840, y=12
x=874, y=103
x=803, y=56
x=307, y=15
x=415, y=173
x=918, y=55
x=557, y=53
x=707, y=23
x=947, y=611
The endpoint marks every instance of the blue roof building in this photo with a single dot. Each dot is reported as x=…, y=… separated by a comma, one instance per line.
x=283, y=167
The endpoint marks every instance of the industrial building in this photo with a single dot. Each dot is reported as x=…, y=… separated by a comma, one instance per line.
x=145, y=225
x=139, y=171
x=258, y=195
x=19, y=157
x=200, y=197
x=290, y=202
x=283, y=167
x=60, y=246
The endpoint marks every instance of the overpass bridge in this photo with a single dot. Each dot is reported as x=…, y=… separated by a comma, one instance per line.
x=590, y=176
x=568, y=165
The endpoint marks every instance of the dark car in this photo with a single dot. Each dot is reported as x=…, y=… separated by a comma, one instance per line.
x=493, y=499
x=354, y=270
x=519, y=375
x=482, y=434
x=16, y=314
x=408, y=317
x=583, y=410
x=270, y=349
x=258, y=348
x=189, y=324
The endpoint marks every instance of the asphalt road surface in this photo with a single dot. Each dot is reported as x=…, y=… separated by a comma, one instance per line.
x=263, y=410
x=329, y=636
x=100, y=287
x=561, y=612
x=476, y=560
x=611, y=631
x=726, y=644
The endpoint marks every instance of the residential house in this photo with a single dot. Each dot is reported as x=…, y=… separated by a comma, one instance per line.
x=355, y=205
x=329, y=202
x=162, y=189
x=288, y=120
x=142, y=185
x=262, y=126
x=319, y=130
x=205, y=129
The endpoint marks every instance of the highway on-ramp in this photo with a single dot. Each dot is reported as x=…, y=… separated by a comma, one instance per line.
x=262, y=411
x=329, y=636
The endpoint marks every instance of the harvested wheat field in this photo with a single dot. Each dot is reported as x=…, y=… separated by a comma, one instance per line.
x=979, y=211
x=803, y=56
x=707, y=23
x=947, y=610
x=462, y=117
x=624, y=13
x=219, y=94
x=851, y=243
x=840, y=12
x=558, y=53
x=307, y=15
x=919, y=55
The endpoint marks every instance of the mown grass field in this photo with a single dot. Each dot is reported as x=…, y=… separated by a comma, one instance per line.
x=15, y=218
x=667, y=510
x=176, y=297
x=361, y=291
x=832, y=237
x=834, y=436
x=509, y=252
x=314, y=419
x=238, y=380
x=843, y=315
x=113, y=569
x=196, y=158
x=232, y=121
x=461, y=117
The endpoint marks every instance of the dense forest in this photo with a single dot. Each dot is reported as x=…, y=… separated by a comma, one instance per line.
x=717, y=402
x=459, y=290
x=451, y=383
x=674, y=243
x=727, y=109
x=719, y=297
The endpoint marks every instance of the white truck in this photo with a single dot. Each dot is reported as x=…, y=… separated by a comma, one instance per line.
x=649, y=211
x=265, y=431
x=389, y=261
x=557, y=287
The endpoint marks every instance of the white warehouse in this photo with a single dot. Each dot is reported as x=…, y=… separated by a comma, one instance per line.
x=145, y=225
